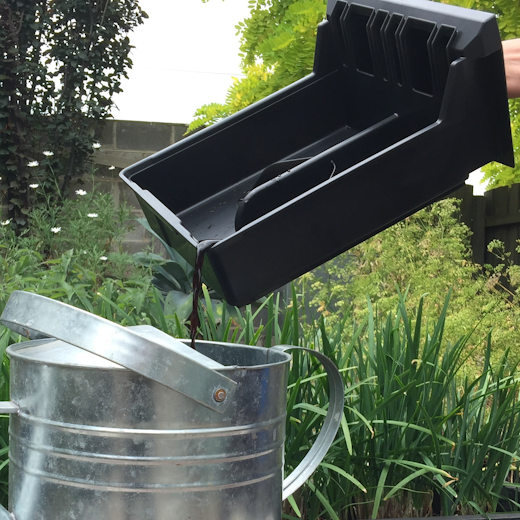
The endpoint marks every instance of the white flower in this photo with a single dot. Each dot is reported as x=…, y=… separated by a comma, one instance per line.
x=103, y=258
x=92, y=215
x=81, y=192
x=48, y=154
x=96, y=145
x=33, y=186
x=33, y=164
x=112, y=168
x=6, y=222
x=84, y=252
x=55, y=229
x=0, y=178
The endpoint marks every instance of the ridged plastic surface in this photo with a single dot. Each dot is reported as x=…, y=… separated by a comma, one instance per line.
x=406, y=99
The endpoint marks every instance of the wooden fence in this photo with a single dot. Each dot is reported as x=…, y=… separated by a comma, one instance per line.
x=496, y=215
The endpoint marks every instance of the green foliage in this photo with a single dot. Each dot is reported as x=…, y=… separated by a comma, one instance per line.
x=61, y=63
x=277, y=48
x=207, y=115
x=90, y=226
x=413, y=425
x=280, y=36
x=506, y=275
x=174, y=279
x=427, y=253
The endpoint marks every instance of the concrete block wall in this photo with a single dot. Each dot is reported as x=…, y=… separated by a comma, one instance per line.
x=123, y=143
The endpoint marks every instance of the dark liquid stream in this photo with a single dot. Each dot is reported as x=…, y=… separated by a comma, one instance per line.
x=197, y=289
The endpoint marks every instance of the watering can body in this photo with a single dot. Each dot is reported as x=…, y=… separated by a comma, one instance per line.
x=91, y=439
x=94, y=440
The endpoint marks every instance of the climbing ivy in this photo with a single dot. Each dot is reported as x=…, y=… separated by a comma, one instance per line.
x=62, y=61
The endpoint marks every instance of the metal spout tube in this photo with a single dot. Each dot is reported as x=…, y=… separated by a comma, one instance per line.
x=8, y=407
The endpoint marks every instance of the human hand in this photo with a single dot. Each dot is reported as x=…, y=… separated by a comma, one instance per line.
x=511, y=50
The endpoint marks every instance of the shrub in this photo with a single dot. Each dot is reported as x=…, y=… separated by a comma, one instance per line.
x=427, y=253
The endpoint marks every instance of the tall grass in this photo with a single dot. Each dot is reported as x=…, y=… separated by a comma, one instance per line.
x=417, y=436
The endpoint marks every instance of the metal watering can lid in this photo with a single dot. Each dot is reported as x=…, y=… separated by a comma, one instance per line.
x=154, y=355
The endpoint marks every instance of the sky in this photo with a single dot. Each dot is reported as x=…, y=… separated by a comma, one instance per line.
x=185, y=56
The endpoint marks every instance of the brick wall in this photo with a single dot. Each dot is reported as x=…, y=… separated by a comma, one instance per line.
x=123, y=143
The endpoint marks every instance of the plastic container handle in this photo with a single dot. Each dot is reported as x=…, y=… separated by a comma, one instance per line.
x=329, y=429
x=36, y=316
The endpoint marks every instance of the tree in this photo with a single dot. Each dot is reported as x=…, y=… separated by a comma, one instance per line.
x=62, y=61
x=277, y=49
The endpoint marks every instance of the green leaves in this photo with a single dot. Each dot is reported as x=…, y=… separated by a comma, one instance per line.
x=411, y=425
x=277, y=48
x=63, y=62
x=282, y=41
x=426, y=254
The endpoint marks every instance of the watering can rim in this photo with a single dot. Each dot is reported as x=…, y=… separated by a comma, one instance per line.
x=20, y=351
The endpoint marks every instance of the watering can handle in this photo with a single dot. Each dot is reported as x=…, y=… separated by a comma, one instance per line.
x=36, y=316
x=329, y=429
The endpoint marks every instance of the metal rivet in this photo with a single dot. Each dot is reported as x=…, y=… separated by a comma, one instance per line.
x=219, y=395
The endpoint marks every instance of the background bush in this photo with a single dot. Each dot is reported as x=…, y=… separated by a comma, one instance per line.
x=427, y=253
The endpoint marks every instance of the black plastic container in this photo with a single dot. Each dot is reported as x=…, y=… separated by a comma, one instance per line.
x=406, y=99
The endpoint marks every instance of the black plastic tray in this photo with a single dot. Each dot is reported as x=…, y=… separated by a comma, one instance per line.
x=406, y=99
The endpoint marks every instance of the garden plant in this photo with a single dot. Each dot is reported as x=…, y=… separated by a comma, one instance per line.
x=62, y=61
x=429, y=359
x=419, y=437
x=427, y=253
x=420, y=433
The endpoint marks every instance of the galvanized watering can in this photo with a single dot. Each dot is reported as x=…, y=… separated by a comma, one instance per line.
x=134, y=424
